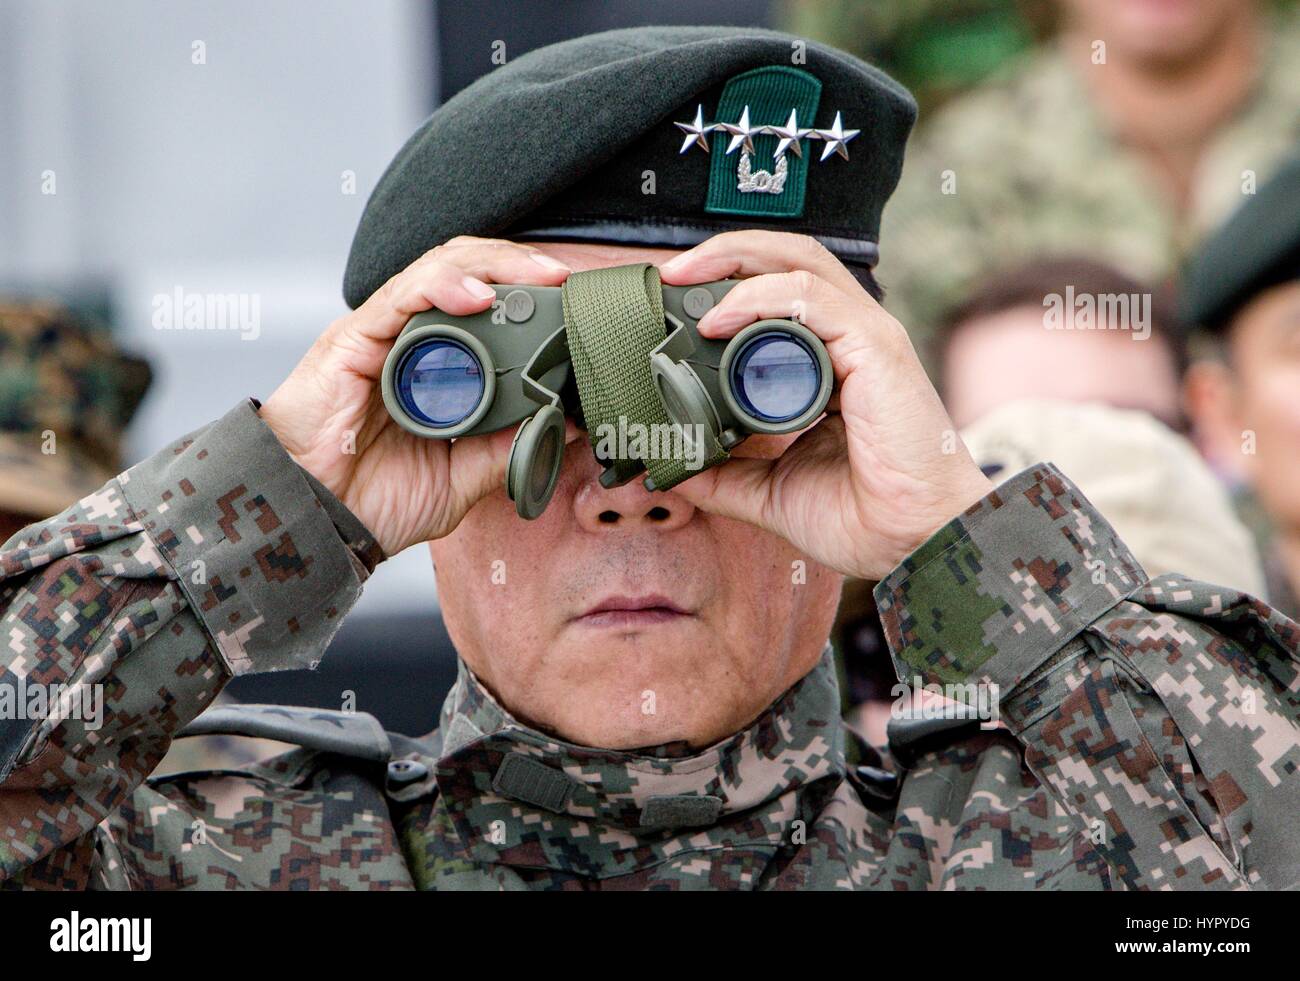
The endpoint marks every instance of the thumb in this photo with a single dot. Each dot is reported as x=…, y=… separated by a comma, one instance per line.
x=477, y=467
x=739, y=488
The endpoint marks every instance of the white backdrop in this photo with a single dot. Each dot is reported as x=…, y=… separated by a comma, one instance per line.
x=225, y=177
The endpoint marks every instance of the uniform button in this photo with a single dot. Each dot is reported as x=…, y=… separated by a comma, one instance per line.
x=403, y=772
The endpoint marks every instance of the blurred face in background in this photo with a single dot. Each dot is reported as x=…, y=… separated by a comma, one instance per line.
x=1172, y=32
x=1253, y=402
x=1009, y=355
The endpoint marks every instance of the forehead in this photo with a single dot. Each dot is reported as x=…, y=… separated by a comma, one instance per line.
x=580, y=256
x=1272, y=315
x=1025, y=329
x=995, y=359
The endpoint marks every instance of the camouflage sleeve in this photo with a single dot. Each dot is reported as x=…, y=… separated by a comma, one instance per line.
x=1163, y=715
x=124, y=616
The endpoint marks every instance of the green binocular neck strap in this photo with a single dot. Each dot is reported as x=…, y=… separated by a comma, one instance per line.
x=613, y=319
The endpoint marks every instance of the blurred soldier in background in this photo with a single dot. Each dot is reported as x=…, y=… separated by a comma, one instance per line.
x=1243, y=287
x=1040, y=363
x=937, y=48
x=66, y=395
x=1127, y=138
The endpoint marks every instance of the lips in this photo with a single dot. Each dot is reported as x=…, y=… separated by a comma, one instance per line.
x=632, y=611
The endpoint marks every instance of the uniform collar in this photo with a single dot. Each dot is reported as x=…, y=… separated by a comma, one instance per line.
x=521, y=797
x=1282, y=593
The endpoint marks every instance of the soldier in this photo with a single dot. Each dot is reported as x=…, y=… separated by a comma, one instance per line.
x=1243, y=289
x=1127, y=138
x=66, y=394
x=645, y=699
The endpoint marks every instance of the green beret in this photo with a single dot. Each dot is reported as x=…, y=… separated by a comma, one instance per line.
x=657, y=136
x=1257, y=248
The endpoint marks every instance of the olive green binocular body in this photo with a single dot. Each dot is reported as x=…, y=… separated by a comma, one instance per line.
x=511, y=366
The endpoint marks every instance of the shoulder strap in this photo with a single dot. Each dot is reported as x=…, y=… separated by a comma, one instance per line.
x=355, y=734
x=613, y=319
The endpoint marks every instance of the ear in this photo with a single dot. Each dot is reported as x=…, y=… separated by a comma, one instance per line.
x=1210, y=401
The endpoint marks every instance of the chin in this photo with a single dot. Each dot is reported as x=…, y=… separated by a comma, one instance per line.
x=616, y=734
x=631, y=691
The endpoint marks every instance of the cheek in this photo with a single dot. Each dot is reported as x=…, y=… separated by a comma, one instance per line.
x=1272, y=410
x=487, y=577
x=1271, y=407
x=774, y=595
x=1280, y=401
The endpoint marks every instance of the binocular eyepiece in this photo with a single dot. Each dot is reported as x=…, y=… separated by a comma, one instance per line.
x=510, y=365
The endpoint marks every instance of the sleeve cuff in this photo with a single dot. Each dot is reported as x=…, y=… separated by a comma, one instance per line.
x=992, y=595
x=268, y=559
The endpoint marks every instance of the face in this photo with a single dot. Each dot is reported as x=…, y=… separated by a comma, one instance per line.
x=1248, y=411
x=1162, y=31
x=627, y=618
x=1011, y=355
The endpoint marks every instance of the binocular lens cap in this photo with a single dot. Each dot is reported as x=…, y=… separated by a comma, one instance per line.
x=682, y=395
x=535, y=460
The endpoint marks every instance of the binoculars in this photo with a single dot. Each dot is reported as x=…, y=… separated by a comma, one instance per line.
x=510, y=365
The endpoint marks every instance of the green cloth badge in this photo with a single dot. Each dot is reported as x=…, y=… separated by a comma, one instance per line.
x=759, y=183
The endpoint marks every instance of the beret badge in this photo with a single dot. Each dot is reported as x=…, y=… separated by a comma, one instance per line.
x=780, y=95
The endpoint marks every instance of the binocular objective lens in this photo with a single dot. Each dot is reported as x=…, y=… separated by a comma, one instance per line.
x=440, y=383
x=775, y=377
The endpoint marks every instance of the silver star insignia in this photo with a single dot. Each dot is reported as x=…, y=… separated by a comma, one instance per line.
x=697, y=133
x=742, y=134
x=789, y=136
x=836, y=137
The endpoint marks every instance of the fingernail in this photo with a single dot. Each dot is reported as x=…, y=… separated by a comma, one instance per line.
x=477, y=289
x=545, y=260
x=673, y=264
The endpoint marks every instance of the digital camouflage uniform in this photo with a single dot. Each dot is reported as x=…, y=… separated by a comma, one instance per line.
x=1035, y=170
x=1151, y=740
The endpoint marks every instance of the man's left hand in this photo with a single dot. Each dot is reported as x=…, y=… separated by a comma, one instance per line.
x=879, y=473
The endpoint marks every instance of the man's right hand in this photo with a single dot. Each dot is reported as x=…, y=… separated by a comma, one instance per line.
x=329, y=413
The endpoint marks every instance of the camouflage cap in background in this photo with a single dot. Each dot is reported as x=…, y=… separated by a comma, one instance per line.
x=1145, y=479
x=66, y=394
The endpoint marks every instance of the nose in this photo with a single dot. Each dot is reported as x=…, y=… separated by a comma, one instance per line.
x=629, y=508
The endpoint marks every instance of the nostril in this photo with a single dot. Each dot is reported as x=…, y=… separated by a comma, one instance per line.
x=658, y=514
x=608, y=517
